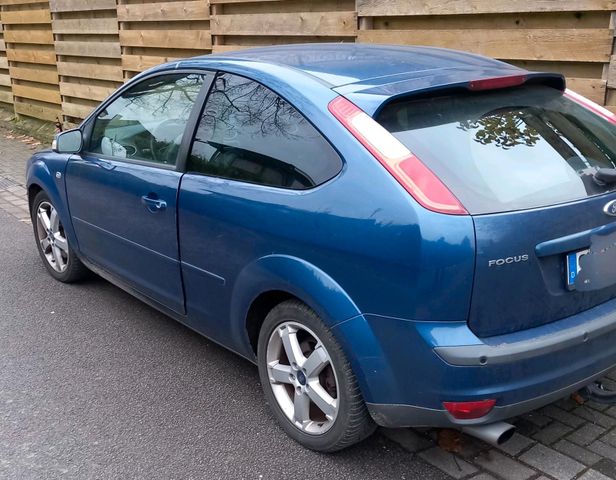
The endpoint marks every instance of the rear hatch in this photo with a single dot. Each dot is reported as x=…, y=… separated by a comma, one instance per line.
x=523, y=162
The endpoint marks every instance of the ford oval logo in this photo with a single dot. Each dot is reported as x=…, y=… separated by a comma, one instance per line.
x=610, y=208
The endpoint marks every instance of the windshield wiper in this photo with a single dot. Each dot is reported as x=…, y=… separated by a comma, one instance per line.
x=603, y=176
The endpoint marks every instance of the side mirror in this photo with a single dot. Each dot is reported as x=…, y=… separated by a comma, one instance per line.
x=68, y=142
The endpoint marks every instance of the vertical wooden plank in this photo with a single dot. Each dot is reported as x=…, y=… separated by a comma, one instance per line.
x=215, y=11
x=6, y=92
x=366, y=23
x=609, y=70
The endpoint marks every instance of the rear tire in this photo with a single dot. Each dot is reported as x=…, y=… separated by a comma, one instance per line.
x=52, y=244
x=308, y=381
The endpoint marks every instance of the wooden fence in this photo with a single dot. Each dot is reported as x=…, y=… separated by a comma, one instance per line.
x=156, y=32
x=62, y=57
x=247, y=23
x=32, y=58
x=572, y=37
x=88, y=53
x=6, y=94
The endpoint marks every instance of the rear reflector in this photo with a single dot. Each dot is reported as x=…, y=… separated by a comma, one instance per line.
x=406, y=168
x=469, y=410
x=497, y=82
x=592, y=106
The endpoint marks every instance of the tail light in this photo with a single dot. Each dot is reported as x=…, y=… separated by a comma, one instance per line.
x=418, y=180
x=469, y=410
x=497, y=82
x=592, y=106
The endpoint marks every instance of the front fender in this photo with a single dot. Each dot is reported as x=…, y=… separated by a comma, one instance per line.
x=293, y=275
x=41, y=171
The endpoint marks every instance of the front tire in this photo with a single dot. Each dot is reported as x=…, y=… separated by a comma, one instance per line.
x=308, y=381
x=52, y=244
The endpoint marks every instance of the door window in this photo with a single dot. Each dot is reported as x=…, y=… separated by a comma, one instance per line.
x=147, y=122
x=249, y=133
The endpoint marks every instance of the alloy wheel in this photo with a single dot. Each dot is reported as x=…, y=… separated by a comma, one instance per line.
x=51, y=237
x=302, y=378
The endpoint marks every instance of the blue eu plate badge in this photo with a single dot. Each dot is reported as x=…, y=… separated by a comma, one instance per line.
x=573, y=267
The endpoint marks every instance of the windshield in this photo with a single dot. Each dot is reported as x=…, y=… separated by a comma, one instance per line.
x=509, y=149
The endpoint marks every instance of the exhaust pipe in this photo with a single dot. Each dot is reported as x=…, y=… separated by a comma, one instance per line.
x=493, y=433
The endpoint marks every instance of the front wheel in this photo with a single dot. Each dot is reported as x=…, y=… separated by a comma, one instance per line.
x=308, y=381
x=52, y=243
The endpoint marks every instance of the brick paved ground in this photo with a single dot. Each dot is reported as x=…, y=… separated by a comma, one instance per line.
x=15, y=149
x=562, y=441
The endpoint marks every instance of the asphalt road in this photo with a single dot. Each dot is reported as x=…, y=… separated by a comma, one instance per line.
x=95, y=384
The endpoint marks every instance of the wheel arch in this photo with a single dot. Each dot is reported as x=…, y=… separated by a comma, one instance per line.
x=273, y=279
x=46, y=173
x=259, y=309
x=33, y=190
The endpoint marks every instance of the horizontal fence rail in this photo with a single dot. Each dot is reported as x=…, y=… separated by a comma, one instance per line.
x=60, y=58
x=249, y=23
x=32, y=58
x=88, y=53
x=157, y=32
x=571, y=37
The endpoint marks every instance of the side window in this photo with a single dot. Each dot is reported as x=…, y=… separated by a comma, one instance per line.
x=148, y=121
x=249, y=133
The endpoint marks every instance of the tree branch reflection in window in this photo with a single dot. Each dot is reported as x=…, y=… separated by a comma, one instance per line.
x=249, y=133
x=148, y=121
x=505, y=130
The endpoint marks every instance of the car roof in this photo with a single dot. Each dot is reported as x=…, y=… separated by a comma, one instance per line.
x=340, y=64
x=369, y=75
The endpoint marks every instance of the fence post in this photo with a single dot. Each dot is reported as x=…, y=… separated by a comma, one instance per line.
x=6, y=92
x=609, y=70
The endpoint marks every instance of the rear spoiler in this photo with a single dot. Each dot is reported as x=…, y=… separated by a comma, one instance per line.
x=372, y=100
x=552, y=80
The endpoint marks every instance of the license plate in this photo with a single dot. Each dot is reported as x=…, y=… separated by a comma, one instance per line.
x=573, y=268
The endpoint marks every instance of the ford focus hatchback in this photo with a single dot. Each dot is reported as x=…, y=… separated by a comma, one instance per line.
x=396, y=236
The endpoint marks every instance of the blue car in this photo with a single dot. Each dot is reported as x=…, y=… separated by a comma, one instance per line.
x=396, y=236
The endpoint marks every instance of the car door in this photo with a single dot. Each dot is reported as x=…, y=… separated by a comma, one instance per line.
x=122, y=188
x=252, y=157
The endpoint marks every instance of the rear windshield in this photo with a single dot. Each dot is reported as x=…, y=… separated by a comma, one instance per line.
x=509, y=149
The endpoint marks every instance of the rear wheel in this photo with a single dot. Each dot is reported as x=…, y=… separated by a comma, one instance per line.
x=308, y=381
x=52, y=243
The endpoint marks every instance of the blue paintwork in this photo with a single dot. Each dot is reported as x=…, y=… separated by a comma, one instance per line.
x=242, y=224
x=397, y=362
x=350, y=63
x=41, y=172
x=119, y=232
x=390, y=278
x=542, y=286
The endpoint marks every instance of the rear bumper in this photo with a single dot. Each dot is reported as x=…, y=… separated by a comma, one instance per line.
x=585, y=327
x=397, y=416
x=407, y=368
